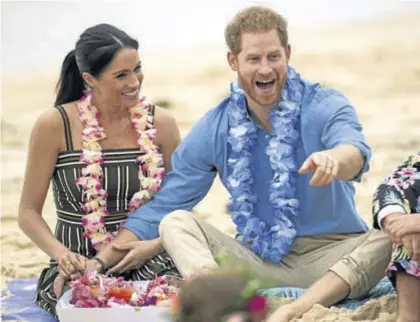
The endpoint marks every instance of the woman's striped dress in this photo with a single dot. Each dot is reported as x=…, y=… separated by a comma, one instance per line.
x=121, y=182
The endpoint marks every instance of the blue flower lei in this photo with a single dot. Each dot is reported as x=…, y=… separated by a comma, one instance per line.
x=275, y=241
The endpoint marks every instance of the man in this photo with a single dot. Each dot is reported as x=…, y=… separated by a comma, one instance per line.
x=287, y=151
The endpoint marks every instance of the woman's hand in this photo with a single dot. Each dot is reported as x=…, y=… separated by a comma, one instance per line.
x=138, y=253
x=71, y=263
x=70, y=266
x=58, y=285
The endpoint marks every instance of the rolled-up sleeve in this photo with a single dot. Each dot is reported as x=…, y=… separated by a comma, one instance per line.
x=343, y=127
x=183, y=187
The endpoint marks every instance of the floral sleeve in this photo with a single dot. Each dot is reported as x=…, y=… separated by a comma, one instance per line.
x=401, y=188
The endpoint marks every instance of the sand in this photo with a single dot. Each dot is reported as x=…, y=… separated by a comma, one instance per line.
x=375, y=63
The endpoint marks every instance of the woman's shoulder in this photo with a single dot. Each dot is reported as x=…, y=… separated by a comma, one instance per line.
x=49, y=119
x=54, y=116
x=47, y=129
x=163, y=118
x=69, y=108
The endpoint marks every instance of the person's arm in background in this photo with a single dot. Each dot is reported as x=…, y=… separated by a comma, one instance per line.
x=398, y=194
x=347, y=150
x=396, y=207
x=183, y=187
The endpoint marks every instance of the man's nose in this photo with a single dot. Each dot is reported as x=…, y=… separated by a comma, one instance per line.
x=265, y=70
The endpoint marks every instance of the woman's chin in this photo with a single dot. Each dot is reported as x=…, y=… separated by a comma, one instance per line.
x=129, y=103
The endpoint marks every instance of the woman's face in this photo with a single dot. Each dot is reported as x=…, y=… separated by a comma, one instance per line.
x=119, y=84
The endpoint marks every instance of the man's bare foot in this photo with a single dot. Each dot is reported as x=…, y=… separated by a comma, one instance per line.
x=284, y=313
x=407, y=317
x=401, y=319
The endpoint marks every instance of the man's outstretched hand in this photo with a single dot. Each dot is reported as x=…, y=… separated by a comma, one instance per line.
x=324, y=168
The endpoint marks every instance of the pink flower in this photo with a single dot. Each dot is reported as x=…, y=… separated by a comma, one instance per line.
x=257, y=303
x=87, y=234
x=407, y=172
x=413, y=268
x=150, y=173
x=407, y=184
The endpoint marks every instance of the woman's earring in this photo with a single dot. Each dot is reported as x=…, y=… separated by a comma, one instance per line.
x=88, y=89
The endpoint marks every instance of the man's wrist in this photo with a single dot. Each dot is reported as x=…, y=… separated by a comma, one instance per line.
x=99, y=264
x=158, y=245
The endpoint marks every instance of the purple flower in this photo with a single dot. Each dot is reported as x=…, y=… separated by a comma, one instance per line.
x=268, y=242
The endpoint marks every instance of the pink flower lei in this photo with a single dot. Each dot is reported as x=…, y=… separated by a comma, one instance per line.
x=151, y=170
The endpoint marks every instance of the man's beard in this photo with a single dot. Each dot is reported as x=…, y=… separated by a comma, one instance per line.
x=251, y=91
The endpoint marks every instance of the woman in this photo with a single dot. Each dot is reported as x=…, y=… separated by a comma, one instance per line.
x=90, y=147
x=396, y=210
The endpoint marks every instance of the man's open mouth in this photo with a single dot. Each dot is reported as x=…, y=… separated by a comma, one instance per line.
x=265, y=84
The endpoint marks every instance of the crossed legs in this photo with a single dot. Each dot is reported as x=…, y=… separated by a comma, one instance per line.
x=331, y=267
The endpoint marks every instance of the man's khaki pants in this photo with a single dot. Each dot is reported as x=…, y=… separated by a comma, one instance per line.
x=359, y=259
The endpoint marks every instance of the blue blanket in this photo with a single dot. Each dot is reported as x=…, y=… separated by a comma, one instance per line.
x=18, y=298
x=384, y=287
x=20, y=294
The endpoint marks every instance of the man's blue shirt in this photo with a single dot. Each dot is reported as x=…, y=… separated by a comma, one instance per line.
x=327, y=120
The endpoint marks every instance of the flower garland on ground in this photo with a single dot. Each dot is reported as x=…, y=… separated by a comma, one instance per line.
x=151, y=170
x=94, y=290
x=275, y=241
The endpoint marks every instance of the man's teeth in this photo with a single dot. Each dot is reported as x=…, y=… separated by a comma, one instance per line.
x=265, y=84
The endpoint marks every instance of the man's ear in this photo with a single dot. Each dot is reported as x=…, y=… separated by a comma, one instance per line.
x=233, y=61
x=288, y=52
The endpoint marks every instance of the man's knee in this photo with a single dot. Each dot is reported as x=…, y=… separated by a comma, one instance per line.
x=365, y=266
x=175, y=219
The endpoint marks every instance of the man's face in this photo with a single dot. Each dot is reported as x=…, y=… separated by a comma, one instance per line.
x=262, y=67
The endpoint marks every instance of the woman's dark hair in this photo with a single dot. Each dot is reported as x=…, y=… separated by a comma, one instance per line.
x=94, y=50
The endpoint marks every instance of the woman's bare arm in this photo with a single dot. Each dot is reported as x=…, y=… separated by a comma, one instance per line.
x=44, y=146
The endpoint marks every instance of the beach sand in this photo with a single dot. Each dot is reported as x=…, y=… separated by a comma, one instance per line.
x=375, y=63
